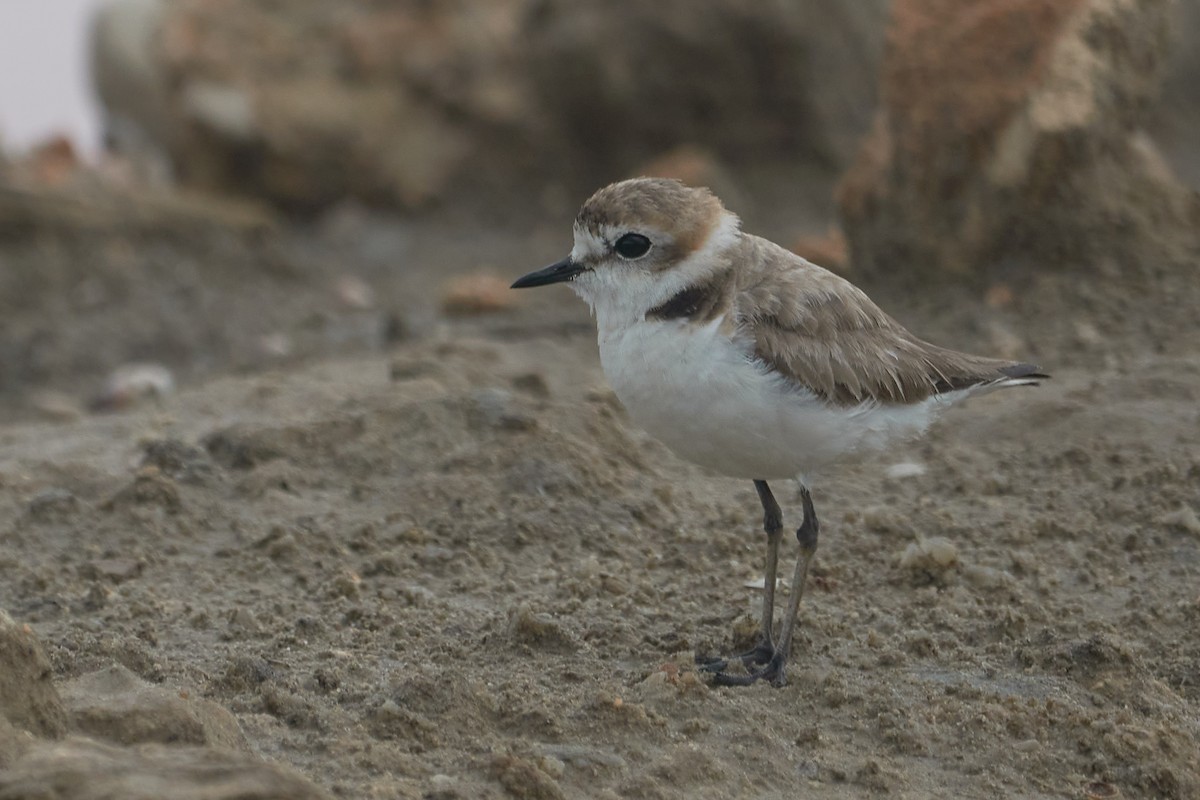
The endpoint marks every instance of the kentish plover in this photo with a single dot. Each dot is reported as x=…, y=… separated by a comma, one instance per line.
x=747, y=359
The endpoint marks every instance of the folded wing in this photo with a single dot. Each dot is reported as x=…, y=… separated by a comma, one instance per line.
x=826, y=335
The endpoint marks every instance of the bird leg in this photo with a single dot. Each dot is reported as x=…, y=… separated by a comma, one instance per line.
x=774, y=671
x=764, y=651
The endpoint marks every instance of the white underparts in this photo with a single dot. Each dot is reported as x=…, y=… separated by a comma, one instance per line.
x=705, y=397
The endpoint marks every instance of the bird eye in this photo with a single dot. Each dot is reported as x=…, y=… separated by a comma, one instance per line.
x=632, y=245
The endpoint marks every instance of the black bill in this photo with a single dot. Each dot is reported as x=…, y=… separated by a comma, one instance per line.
x=562, y=271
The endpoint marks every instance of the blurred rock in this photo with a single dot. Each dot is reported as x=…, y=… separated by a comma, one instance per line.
x=177, y=460
x=309, y=103
x=80, y=769
x=28, y=208
x=539, y=631
x=139, y=121
x=695, y=166
x=1175, y=122
x=28, y=699
x=477, y=293
x=131, y=383
x=928, y=560
x=354, y=293
x=53, y=162
x=116, y=705
x=1011, y=128
x=902, y=470
x=53, y=406
x=741, y=79
x=275, y=345
x=827, y=250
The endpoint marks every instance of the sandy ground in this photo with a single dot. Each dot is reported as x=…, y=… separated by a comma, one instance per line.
x=442, y=562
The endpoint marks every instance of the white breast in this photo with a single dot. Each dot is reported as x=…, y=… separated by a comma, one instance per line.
x=700, y=393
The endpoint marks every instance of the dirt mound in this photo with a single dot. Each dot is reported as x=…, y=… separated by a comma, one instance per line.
x=79, y=769
x=28, y=699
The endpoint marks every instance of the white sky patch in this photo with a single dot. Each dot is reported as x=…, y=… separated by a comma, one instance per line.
x=45, y=86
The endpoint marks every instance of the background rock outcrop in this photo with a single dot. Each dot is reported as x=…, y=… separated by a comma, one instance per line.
x=1013, y=130
x=398, y=103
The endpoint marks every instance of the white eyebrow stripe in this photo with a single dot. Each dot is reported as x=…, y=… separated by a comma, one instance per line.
x=587, y=244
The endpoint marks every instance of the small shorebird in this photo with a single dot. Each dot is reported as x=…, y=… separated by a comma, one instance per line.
x=747, y=359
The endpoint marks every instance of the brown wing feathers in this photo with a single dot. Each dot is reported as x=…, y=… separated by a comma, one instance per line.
x=824, y=333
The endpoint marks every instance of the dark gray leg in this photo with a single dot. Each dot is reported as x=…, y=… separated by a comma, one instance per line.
x=764, y=651
x=773, y=525
x=775, y=670
x=807, y=537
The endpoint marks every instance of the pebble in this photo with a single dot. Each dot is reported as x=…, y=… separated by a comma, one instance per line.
x=129, y=384
x=905, y=469
x=1184, y=518
x=354, y=293
x=477, y=293
x=581, y=756
x=933, y=556
x=54, y=406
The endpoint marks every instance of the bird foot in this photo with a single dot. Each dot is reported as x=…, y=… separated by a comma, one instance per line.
x=774, y=671
x=762, y=653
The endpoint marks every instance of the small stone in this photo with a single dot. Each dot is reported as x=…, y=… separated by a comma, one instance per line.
x=117, y=705
x=582, y=756
x=539, y=631
x=131, y=383
x=1183, y=518
x=1088, y=334
x=149, y=488
x=178, y=460
x=354, y=293
x=523, y=778
x=53, y=161
x=999, y=295
x=496, y=409
x=477, y=293
x=987, y=577
x=346, y=584
x=905, y=469
x=929, y=559
x=275, y=345
x=416, y=595
x=242, y=624
x=56, y=407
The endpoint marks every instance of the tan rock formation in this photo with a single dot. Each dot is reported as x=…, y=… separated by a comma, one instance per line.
x=1010, y=129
